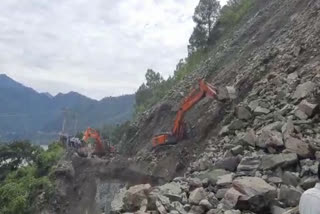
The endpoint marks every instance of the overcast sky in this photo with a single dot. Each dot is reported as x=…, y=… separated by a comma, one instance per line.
x=96, y=47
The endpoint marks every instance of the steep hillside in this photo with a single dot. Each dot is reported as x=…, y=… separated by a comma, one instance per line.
x=257, y=153
x=26, y=113
x=276, y=42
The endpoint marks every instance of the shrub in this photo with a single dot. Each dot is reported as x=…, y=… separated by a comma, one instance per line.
x=232, y=14
x=22, y=186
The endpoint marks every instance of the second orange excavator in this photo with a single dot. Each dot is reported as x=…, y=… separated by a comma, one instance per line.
x=178, y=131
x=99, y=145
x=91, y=133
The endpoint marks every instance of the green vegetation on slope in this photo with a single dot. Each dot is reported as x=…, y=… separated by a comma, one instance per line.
x=234, y=11
x=25, y=171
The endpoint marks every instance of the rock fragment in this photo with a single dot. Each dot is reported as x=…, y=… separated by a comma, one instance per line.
x=250, y=192
x=225, y=180
x=307, y=108
x=229, y=163
x=290, y=178
x=243, y=113
x=304, y=89
x=197, y=195
x=270, y=139
x=298, y=146
x=249, y=138
x=213, y=175
x=249, y=165
x=135, y=195
x=261, y=111
x=290, y=196
x=279, y=160
x=237, y=150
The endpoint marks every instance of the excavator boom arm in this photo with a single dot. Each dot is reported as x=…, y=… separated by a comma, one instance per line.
x=205, y=89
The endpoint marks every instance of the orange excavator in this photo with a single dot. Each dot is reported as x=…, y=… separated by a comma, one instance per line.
x=99, y=147
x=178, y=131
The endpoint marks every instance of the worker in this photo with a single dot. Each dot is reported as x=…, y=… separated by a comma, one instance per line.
x=310, y=199
x=75, y=142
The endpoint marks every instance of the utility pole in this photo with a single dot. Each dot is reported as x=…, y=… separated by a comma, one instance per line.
x=64, y=122
x=75, y=126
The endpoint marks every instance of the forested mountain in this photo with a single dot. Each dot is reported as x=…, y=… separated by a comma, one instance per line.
x=25, y=113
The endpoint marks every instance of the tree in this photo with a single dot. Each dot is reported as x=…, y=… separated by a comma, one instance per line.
x=28, y=177
x=15, y=154
x=205, y=16
x=198, y=39
x=151, y=91
x=143, y=94
x=153, y=78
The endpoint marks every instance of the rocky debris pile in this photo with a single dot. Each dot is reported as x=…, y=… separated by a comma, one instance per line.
x=262, y=160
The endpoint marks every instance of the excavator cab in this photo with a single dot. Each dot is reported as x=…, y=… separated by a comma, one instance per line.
x=164, y=139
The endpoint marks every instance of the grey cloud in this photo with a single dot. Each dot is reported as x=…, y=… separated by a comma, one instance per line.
x=97, y=47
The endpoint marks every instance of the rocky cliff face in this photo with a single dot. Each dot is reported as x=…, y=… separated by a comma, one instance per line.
x=257, y=153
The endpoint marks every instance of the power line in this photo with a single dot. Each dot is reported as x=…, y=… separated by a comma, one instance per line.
x=23, y=115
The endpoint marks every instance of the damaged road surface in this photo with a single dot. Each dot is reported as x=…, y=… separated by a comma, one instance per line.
x=88, y=185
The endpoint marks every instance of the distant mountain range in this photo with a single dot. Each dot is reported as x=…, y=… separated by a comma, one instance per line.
x=27, y=114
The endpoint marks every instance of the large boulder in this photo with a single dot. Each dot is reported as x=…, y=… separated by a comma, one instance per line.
x=229, y=163
x=249, y=138
x=290, y=196
x=243, y=113
x=309, y=167
x=225, y=180
x=304, y=89
x=290, y=178
x=251, y=193
x=270, y=139
x=279, y=160
x=212, y=175
x=308, y=182
x=197, y=195
x=237, y=150
x=307, y=108
x=249, y=165
x=226, y=93
x=237, y=125
x=299, y=147
x=135, y=196
x=173, y=191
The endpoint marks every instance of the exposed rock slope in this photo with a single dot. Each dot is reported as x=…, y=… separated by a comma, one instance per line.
x=258, y=153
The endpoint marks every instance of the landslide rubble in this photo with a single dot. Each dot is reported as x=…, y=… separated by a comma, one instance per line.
x=257, y=153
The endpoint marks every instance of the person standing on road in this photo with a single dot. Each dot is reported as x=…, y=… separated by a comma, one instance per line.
x=310, y=199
